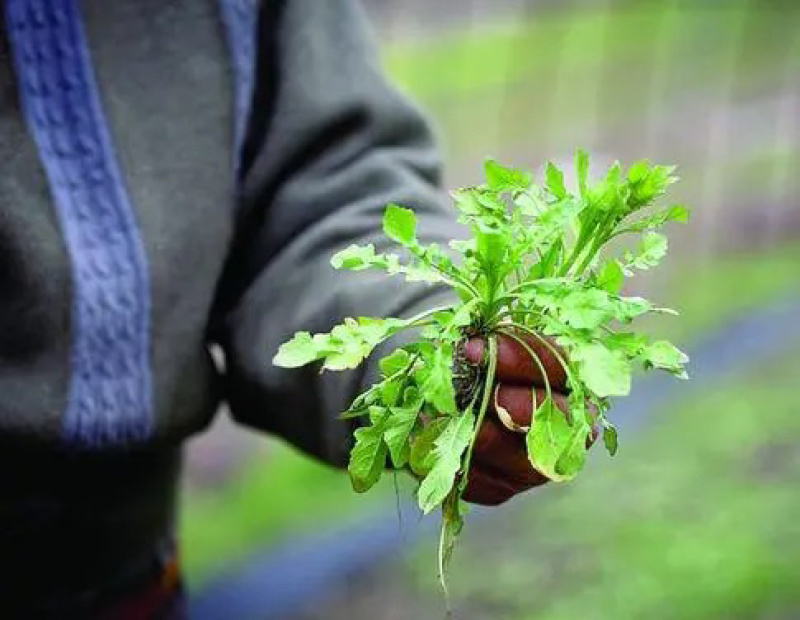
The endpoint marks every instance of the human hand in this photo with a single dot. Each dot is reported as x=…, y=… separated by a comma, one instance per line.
x=500, y=468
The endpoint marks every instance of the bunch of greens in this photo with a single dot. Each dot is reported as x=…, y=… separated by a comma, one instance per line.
x=532, y=270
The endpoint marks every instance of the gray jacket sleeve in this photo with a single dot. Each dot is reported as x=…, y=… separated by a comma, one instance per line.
x=330, y=143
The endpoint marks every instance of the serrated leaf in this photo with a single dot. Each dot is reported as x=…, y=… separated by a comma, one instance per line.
x=628, y=343
x=605, y=372
x=436, y=380
x=653, y=249
x=638, y=171
x=400, y=224
x=298, y=351
x=628, y=308
x=368, y=456
x=358, y=257
x=390, y=391
x=421, y=459
x=463, y=316
x=610, y=277
x=663, y=354
x=399, y=425
x=585, y=309
x=610, y=438
x=398, y=429
x=646, y=182
x=363, y=401
x=573, y=457
x=393, y=363
x=555, y=181
x=500, y=178
x=675, y=213
x=448, y=448
x=466, y=201
x=345, y=346
x=547, y=438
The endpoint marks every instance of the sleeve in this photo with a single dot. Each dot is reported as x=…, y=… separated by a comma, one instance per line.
x=329, y=144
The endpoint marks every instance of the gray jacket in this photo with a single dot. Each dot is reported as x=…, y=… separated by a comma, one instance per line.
x=176, y=173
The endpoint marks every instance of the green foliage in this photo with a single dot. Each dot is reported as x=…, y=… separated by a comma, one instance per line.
x=446, y=459
x=533, y=266
x=696, y=519
x=548, y=438
x=284, y=492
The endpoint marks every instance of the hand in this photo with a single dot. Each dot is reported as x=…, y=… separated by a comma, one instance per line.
x=500, y=467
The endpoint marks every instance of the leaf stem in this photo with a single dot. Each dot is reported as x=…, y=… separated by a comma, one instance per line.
x=443, y=552
x=532, y=283
x=453, y=279
x=538, y=362
x=553, y=350
x=463, y=284
x=595, y=248
x=450, y=503
x=576, y=252
x=425, y=314
x=491, y=371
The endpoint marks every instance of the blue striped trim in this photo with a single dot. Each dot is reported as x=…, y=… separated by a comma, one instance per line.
x=110, y=392
x=240, y=18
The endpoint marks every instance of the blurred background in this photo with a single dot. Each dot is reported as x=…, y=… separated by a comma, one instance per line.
x=698, y=516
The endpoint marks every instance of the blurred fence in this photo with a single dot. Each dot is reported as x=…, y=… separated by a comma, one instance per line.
x=711, y=86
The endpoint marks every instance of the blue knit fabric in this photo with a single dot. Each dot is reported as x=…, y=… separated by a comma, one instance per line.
x=110, y=393
x=239, y=17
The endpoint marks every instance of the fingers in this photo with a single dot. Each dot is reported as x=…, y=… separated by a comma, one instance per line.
x=516, y=400
x=505, y=454
x=514, y=363
x=500, y=465
x=485, y=489
x=495, y=483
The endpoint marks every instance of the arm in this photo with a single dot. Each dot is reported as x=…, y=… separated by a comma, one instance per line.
x=328, y=145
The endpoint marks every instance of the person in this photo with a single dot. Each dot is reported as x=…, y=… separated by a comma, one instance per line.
x=175, y=174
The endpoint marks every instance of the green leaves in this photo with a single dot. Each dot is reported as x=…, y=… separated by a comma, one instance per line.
x=436, y=380
x=605, y=372
x=399, y=424
x=610, y=439
x=662, y=354
x=647, y=182
x=368, y=457
x=387, y=433
x=500, y=178
x=555, y=181
x=652, y=250
x=394, y=362
x=556, y=448
x=399, y=224
x=446, y=455
x=422, y=458
x=344, y=347
x=299, y=351
x=675, y=213
x=537, y=262
x=610, y=277
x=585, y=309
x=359, y=257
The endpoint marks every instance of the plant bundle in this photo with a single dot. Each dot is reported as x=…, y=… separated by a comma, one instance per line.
x=533, y=270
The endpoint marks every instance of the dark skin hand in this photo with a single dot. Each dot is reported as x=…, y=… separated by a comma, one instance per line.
x=500, y=467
